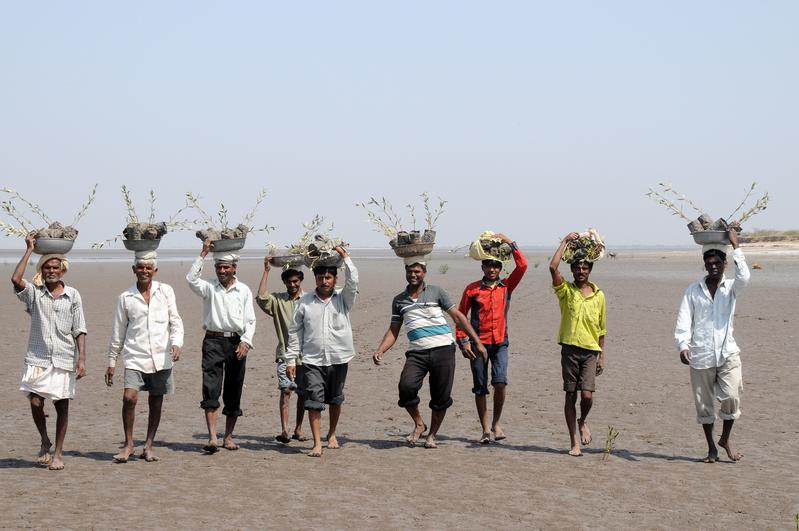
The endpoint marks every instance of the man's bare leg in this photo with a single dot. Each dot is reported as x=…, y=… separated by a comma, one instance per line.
x=570, y=411
x=712, y=451
x=586, y=401
x=724, y=441
x=230, y=423
x=436, y=418
x=210, y=421
x=129, y=399
x=335, y=413
x=40, y=420
x=298, y=419
x=499, y=403
x=315, y=420
x=419, y=426
x=153, y=420
x=283, y=405
x=62, y=419
x=482, y=414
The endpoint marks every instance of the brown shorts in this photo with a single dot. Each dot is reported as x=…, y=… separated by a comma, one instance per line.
x=579, y=368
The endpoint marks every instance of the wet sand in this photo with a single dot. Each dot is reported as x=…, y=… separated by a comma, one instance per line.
x=652, y=479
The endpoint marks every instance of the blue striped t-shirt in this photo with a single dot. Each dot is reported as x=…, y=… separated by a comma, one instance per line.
x=424, y=318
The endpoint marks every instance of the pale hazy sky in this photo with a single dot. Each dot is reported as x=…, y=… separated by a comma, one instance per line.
x=533, y=118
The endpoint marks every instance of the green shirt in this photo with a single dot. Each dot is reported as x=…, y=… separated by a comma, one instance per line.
x=281, y=308
x=582, y=318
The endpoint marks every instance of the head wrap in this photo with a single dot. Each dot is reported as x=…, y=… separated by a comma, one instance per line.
x=419, y=259
x=227, y=257
x=38, y=281
x=145, y=256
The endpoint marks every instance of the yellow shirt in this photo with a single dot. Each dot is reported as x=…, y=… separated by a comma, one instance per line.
x=582, y=318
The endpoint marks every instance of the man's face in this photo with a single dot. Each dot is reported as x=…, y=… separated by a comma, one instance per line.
x=414, y=275
x=325, y=283
x=293, y=285
x=581, y=271
x=144, y=272
x=491, y=270
x=225, y=272
x=52, y=271
x=714, y=266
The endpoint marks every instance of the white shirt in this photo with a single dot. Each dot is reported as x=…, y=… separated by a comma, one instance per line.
x=224, y=310
x=704, y=323
x=321, y=330
x=143, y=333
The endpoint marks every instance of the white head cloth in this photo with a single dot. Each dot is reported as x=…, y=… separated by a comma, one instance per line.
x=145, y=256
x=226, y=257
x=419, y=259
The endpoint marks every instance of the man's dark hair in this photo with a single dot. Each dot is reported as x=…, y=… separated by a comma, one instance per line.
x=715, y=252
x=488, y=262
x=288, y=273
x=586, y=262
x=322, y=270
x=424, y=267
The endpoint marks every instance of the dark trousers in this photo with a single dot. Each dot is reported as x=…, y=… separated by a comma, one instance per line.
x=220, y=363
x=440, y=363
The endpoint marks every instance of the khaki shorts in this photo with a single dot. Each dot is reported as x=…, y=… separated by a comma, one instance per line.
x=579, y=368
x=718, y=383
x=156, y=383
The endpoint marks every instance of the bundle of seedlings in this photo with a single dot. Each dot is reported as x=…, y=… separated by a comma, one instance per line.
x=139, y=235
x=55, y=237
x=405, y=242
x=705, y=229
x=589, y=247
x=489, y=247
x=298, y=253
x=218, y=230
x=317, y=246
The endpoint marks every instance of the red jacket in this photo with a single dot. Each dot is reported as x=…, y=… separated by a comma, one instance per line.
x=489, y=305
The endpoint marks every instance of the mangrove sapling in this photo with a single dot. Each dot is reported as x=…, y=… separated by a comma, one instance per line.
x=24, y=226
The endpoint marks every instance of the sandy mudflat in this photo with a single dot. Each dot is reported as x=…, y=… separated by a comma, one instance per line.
x=652, y=480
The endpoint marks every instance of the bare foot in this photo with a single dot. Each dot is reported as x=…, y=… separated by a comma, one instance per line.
x=44, y=456
x=430, y=442
x=712, y=457
x=332, y=442
x=499, y=434
x=212, y=447
x=416, y=433
x=228, y=444
x=298, y=436
x=149, y=456
x=283, y=438
x=731, y=453
x=485, y=438
x=585, y=433
x=316, y=451
x=124, y=455
x=57, y=463
x=576, y=451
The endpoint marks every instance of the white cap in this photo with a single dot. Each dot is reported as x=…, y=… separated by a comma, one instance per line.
x=226, y=257
x=418, y=259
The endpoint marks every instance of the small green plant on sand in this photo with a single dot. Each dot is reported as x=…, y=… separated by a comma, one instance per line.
x=796, y=521
x=610, y=443
x=443, y=268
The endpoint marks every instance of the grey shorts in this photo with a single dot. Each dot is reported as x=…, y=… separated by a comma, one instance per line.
x=157, y=383
x=323, y=385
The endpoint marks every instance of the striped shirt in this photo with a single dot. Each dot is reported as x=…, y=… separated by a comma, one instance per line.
x=55, y=323
x=424, y=317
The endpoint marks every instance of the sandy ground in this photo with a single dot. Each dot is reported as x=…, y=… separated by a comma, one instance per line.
x=652, y=479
